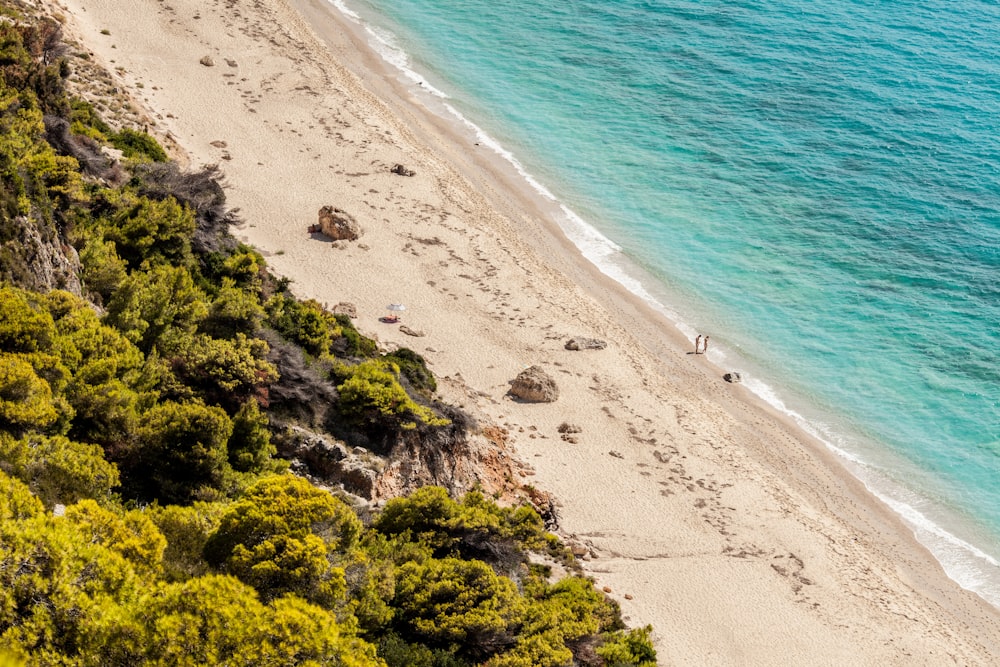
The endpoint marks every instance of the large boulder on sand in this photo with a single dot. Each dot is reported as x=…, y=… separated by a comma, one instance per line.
x=337, y=224
x=535, y=386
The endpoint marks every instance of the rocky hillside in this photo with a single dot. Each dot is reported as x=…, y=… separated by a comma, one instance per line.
x=189, y=453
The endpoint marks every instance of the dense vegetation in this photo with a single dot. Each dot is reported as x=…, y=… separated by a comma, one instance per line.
x=144, y=517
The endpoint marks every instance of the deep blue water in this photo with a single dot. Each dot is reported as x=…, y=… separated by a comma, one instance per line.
x=816, y=184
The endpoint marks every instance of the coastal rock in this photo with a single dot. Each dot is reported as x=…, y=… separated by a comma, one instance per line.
x=732, y=377
x=545, y=504
x=35, y=256
x=534, y=385
x=345, y=308
x=322, y=456
x=578, y=549
x=402, y=171
x=459, y=457
x=207, y=61
x=581, y=343
x=411, y=332
x=337, y=224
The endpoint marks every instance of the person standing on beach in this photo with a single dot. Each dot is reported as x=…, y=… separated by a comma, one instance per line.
x=704, y=346
x=697, y=344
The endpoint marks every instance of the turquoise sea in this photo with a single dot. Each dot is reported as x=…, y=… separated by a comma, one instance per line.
x=816, y=184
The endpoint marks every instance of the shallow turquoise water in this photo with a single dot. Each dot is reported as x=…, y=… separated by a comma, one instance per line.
x=816, y=184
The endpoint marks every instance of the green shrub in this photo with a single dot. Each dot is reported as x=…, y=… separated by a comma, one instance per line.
x=87, y=122
x=181, y=454
x=145, y=230
x=250, y=447
x=304, y=323
x=234, y=311
x=474, y=528
x=224, y=372
x=161, y=307
x=103, y=269
x=186, y=529
x=16, y=499
x=413, y=367
x=57, y=469
x=25, y=324
x=25, y=399
x=629, y=649
x=352, y=343
x=280, y=537
x=371, y=395
x=138, y=146
x=457, y=603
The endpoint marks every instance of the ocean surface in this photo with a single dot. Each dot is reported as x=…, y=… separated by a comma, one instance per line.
x=814, y=184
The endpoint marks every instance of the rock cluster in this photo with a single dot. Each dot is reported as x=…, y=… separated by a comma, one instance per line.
x=316, y=455
x=567, y=431
x=733, y=377
x=534, y=385
x=581, y=343
x=402, y=171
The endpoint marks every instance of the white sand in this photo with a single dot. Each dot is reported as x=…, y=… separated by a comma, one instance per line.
x=738, y=538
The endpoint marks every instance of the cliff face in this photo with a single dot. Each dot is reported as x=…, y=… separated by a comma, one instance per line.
x=34, y=256
x=460, y=458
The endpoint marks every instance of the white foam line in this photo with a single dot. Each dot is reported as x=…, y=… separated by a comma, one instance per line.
x=386, y=45
x=965, y=563
x=346, y=11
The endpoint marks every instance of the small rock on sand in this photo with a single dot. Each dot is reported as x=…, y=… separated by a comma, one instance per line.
x=582, y=343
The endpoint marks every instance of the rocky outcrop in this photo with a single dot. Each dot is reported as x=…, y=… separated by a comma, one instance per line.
x=581, y=343
x=34, y=256
x=402, y=171
x=329, y=462
x=733, y=377
x=459, y=462
x=460, y=458
x=534, y=385
x=336, y=224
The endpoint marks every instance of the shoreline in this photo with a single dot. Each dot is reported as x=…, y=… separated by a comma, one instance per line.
x=733, y=532
x=607, y=262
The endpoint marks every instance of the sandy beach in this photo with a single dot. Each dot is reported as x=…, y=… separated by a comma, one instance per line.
x=709, y=516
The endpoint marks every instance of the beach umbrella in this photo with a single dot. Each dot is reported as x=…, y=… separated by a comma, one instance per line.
x=396, y=307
